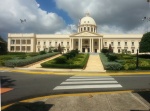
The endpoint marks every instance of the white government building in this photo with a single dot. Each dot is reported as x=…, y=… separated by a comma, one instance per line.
x=87, y=39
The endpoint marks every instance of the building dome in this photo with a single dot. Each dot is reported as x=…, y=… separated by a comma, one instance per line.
x=87, y=20
x=88, y=24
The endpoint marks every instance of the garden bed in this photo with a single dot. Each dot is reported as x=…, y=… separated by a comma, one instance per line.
x=77, y=62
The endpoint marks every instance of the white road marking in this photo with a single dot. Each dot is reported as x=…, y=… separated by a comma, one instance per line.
x=89, y=82
x=90, y=79
x=87, y=86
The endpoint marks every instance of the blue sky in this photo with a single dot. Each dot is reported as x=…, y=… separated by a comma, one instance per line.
x=50, y=6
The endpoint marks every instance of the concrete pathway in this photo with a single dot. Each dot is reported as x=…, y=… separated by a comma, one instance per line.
x=38, y=64
x=84, y=102
x=94, y=64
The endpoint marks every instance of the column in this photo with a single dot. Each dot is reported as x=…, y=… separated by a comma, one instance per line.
x=72, y=44
x=99, y=45
x=81, y=45
x=78, y=43
x=92, y=45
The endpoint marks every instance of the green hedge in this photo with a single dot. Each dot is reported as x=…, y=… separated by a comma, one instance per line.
x=110, y=65
x=79, y=61
x=23, y=62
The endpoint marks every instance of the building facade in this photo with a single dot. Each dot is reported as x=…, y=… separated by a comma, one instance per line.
x=85, y=40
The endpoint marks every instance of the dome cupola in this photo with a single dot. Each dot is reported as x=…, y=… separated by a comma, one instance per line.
x=88, y=24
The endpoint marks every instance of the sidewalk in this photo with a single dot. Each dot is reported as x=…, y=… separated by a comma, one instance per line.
x=115, y=101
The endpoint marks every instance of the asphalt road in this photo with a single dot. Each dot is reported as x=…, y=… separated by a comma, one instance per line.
x=29, y=86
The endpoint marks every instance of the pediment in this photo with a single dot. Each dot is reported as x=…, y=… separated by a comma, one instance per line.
x=85, y=34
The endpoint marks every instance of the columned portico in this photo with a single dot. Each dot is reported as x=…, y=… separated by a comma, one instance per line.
x=86, y=44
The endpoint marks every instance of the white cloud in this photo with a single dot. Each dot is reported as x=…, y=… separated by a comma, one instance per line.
x=37, y=20
x=71, y=28
x=116, y=16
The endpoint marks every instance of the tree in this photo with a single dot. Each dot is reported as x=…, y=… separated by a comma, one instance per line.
x=59, y=48
x=145, y=43
x=110, y=49
x=3, y=46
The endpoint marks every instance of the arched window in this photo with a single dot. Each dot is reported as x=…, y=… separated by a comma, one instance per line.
x=92, y=29
x=88, y=28
x=81, y=29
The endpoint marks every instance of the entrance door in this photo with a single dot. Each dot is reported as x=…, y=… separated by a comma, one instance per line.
x=83, y=49
x=95, y=50
x=88, y=49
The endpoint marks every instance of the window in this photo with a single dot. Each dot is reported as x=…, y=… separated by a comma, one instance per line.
x=118, y=43
x=118, y=50
x=12, y=48
x=44, y=43
x=95, y=43
x=84, y=28
x=91, y=29
x=132, y=50
x=67, y=43
x=125, y=43
x=61, y=43
x=81, y=29
x=112, y=43
x=88, y=28
x=23, y=41
x=28, y=48
x=105, y=43
x=86, y=42
x=49, y=43
x=17, y=48
x=38, y=49
x=132, y=43
x=28, y=41
x=17, y=41
x=12, y=41
x=55, y=43
x=38, y=43
x=23, y=48
x=76, y=43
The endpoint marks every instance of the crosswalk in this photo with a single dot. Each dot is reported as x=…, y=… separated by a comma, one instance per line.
x=88, y=82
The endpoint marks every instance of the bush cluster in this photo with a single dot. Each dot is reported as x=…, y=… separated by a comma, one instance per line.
x=110, y=65
x=23, y=62
x=112, y=57
x=145, y=56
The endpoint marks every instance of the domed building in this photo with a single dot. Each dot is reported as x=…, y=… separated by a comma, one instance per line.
x=87, y=39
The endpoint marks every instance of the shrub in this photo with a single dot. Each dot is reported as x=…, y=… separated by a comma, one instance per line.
x=113, y=66
x=110, y=65
x=146, y=56
x=23, y=62
x=42, y=52
x=61, y=60
x=112, y=57
x=105, y=50
x=129, y=66
x=16, y=53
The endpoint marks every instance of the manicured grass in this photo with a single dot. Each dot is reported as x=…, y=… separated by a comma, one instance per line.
x=79, y=61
